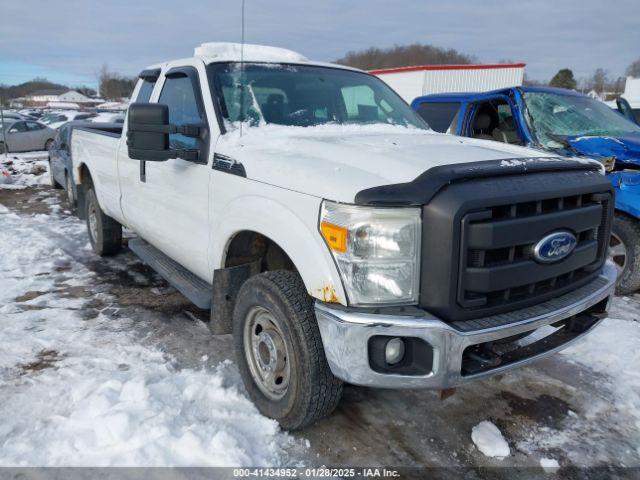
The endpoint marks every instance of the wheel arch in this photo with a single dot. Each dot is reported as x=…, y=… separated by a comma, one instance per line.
x=266, y=235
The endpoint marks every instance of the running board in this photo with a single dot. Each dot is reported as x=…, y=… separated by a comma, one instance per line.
x=188, y=284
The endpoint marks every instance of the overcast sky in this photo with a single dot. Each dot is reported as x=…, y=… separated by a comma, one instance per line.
x=68, y=41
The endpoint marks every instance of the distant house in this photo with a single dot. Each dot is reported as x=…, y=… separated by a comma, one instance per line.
x=41, y=98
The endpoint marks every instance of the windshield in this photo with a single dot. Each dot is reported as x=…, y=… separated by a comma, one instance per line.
x=555, y=117
x=299, y=95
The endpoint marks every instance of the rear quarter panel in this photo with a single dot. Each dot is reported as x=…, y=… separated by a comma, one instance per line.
x=98, y=153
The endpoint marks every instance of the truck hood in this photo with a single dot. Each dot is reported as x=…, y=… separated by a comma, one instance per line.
x=625, y=149
x=336, y=162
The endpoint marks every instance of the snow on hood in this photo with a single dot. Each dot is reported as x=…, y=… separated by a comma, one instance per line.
x=626, y=148
x=338, y=161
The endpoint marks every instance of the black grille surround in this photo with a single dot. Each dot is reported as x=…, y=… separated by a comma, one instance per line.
x=478, y=238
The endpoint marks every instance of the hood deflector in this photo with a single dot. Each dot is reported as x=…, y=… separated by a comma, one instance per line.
x=424, y=187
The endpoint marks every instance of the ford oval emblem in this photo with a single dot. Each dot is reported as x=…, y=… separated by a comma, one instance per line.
x=554, y=247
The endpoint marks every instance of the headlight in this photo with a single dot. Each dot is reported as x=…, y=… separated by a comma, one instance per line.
x=377, y=251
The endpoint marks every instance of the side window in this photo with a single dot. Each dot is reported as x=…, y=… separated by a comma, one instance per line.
x=34, y=126
x=18, y=127
x=493, y=120
x=179, y=95
x=144, y=94
x=439, y=115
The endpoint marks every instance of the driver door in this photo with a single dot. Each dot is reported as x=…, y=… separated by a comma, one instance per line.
x=169, y=205
x=18, y=137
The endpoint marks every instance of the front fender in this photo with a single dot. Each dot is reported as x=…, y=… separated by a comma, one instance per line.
x=627, y=186
x=290, y=219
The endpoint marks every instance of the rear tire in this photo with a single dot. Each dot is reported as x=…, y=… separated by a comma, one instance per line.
x=54, y=184
x=280, y=353
x=105, y=234
x=3, y=149
x=71, y=199
x=624, y=251
x=48, y=144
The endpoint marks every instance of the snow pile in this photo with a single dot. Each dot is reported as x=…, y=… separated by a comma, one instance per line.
x=24, y=169
x=613, y=350
x=549, y=465
x=489, y=440
x=78, y=391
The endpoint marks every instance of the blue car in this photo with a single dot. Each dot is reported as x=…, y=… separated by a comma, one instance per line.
x=563, y=122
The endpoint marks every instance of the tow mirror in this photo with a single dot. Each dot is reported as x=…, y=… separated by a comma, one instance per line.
x=148, y=132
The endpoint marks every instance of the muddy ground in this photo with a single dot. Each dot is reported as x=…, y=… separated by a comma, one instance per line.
x=555, y=408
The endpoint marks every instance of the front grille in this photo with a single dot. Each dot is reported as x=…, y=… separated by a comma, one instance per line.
x=498, y=268
x=479, y=235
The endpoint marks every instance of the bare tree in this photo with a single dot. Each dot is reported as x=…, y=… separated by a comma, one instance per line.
x=633, y=70
x=114, y=86
x=598, y=80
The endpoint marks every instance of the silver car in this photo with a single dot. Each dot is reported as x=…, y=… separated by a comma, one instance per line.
x=25, y=136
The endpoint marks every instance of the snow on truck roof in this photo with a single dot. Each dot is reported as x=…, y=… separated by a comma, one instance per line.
x=233, y=52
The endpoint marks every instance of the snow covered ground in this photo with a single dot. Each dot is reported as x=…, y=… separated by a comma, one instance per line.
x=102, y=364
x=78, y=390
x=20, y=170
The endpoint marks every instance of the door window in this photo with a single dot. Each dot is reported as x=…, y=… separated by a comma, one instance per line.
x=494, y=120
x=33, y=126
x=18, y=127
x=178, y=94
x=440, y=115
x=146, y=89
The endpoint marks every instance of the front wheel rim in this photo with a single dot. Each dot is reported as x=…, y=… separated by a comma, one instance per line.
x=266, y=353
x=617, y=252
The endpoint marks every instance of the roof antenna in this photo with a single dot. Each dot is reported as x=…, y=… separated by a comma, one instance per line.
x=242, y=79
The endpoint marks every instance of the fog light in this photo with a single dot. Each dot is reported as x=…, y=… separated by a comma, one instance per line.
x=394, y=351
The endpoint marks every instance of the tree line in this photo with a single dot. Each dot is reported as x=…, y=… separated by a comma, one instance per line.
x=113, y=86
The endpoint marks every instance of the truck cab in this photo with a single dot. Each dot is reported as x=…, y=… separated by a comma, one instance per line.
x=563, y=122
x=336, y=236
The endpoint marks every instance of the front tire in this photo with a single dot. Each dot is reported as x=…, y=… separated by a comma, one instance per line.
x=624, y=251
x=52, y=179
x=105, y=234
x=280, y=353
x=48, y=145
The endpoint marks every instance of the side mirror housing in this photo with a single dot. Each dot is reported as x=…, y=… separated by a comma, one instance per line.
x=148, y=132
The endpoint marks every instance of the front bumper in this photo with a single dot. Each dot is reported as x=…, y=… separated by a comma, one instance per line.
x=346, y=334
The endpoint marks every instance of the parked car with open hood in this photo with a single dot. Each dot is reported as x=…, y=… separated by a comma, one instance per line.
x=565, y=123
x=336, y=236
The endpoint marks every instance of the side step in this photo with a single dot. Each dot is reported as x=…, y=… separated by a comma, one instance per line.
x=188, y=284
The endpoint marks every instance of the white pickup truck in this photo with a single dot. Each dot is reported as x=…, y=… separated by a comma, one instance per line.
x=339, y=238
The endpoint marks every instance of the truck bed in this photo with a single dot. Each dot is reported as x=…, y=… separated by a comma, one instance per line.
x=97, y=148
